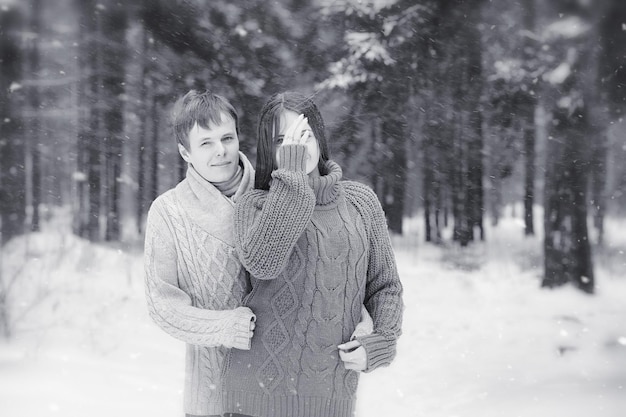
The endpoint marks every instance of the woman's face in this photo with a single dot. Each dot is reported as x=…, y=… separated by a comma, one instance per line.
x=287, y=118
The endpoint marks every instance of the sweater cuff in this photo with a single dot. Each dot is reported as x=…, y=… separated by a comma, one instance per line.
x=379, y=350
x=292, y=157
x=241, y=333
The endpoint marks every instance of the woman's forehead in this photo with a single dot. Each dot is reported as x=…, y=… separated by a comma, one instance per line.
x=285, y=119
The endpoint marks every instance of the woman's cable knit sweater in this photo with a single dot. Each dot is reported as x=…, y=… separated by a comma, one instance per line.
x=195, y=283
x=317, y=249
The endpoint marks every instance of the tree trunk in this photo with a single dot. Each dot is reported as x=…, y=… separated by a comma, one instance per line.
x=12, y=152
x=475, y=197
x=427, y=176
x=433, y=179
x=612, y=50
x=428, y=154
x=34, y=99
x=114, y=23
x=606, y=81
x=90, y=123
x=466, y=81
x=566, y=244
x=598, y=183
x=145, y=96
x=459, y=187
x=94, y=181
x=527, y=113
x=154, y=155
x=101, y=126
x=95, y=163
x=529, y=164
x=395, y=172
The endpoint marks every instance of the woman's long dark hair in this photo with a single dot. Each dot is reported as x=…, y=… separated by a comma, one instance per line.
x=269, y=120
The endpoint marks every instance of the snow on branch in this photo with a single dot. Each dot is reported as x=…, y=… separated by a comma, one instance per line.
x=368, y=46
x=355, y=7
x=568, y=28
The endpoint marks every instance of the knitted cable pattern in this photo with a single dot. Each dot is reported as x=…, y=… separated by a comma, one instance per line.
x=276, y=338
x=357, y=229
x=183, y=310
x=194, y=284
x=298, y=339
x=320, y=259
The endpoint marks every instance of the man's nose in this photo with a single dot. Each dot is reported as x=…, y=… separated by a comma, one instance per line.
x=221, y=149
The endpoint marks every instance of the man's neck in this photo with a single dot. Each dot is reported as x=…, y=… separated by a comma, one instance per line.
x=230, y=186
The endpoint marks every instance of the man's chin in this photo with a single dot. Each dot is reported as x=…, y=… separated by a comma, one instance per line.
x=222, y=177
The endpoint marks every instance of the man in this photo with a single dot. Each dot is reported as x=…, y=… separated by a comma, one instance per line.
x=194, y=281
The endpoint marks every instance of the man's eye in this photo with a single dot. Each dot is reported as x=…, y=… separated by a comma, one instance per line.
x=228, y=138
x=207, y=143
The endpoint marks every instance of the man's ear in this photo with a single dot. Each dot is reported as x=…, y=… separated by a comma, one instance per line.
x=183, y=152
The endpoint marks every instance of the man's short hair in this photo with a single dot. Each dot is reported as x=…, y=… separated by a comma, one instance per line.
x=204, y=108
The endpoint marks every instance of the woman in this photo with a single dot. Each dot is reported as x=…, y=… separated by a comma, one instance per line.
x=318, y=249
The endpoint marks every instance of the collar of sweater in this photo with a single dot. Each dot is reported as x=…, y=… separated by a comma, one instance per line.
x=207, y=206
x=326, y=187
x=209, y=191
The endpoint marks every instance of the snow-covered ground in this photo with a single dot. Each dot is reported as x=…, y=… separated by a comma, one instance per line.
x=480, y=337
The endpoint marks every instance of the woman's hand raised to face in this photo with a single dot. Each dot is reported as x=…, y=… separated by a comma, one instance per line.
x=298, y=132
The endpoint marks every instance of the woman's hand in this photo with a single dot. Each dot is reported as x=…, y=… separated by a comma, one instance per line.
x=298, y=132
x=353, y=355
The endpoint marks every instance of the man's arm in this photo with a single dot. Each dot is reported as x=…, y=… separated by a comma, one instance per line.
x=171, y=308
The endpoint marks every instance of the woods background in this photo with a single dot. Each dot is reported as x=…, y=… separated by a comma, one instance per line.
x=450, y=110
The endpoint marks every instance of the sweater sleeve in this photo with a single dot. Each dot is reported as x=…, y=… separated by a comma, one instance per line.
x=383, y=291
x=171, y=308
x=268, y=224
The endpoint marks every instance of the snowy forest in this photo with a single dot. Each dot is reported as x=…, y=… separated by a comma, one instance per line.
x=492, y=132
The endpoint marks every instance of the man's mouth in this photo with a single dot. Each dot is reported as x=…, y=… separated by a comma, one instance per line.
x=220, y=164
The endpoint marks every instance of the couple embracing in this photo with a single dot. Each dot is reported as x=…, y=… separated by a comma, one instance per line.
x=282, y=281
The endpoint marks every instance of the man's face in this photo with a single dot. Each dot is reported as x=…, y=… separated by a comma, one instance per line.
x=213, y=152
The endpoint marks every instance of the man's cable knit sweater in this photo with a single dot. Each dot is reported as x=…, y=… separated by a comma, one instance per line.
x=317, y=249
x=195, y=282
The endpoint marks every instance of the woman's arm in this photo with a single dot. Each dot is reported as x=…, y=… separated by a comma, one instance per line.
x=170, y=307
x=268, y=224
x=383, y=292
